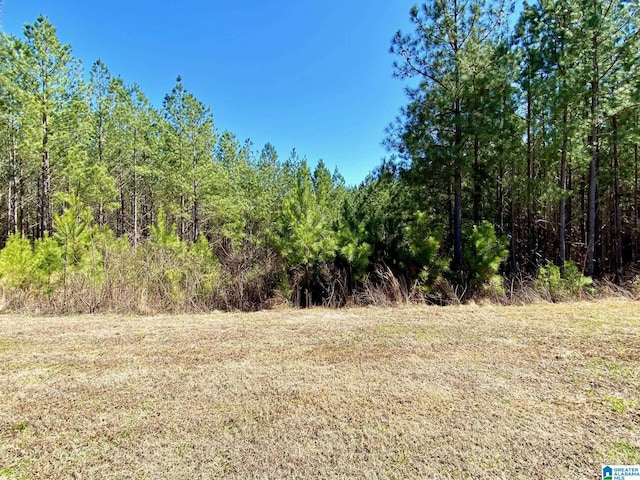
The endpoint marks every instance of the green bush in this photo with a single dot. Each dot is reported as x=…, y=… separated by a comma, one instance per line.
x=26, y=266
x=202, y=271
x=159, y=274
x=164, y=236
x=422, y=250
x=17, y=262
x=484, y=252
x=74, y=230
x=48, y=263
x=354, y=250
x=560, y=286
x=174, y=273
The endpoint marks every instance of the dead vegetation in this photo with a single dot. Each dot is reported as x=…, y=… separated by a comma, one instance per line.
x=414, y=392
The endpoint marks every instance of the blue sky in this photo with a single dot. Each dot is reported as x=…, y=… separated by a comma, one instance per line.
x=309, y=74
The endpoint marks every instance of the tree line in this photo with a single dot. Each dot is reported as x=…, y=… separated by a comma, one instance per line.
x=533, y=127
x=517, y=158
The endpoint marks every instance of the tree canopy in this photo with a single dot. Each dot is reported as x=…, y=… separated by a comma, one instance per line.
x=515, y=157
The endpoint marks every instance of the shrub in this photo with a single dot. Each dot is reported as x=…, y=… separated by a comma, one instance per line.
x=558, y=286
x=484, y=253
x=74, y=230
x=422, y=250
x=354, y=250
x=17, y=262
x=48, y=263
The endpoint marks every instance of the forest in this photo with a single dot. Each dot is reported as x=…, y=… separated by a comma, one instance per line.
x=513, y=172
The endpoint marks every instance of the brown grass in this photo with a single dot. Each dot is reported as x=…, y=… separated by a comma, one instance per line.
x=539, y=391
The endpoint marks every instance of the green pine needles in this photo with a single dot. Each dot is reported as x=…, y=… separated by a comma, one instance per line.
x=484, y=253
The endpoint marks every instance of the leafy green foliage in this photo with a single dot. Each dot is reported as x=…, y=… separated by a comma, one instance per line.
x=378, y=212
x=73, y=230
x=354, y=250
x=190, y=139
x=25, y=266
x=423, y=249
x=17, y=262
x=156, y=203
x=163, y=236
x=484, y=253
x=48, y=259
x=303, y=235
x=559, y=285
x=174, y=270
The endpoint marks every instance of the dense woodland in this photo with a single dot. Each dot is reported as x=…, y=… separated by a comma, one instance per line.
x=514, y=164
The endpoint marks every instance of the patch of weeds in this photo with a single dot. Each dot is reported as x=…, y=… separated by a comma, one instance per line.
x=11, y=473
x=497, y=465
x=614, y=370
x=184, y=450
x=575, y=379
x=227, y=464
x=568, y=285
x=397, y=465
x=7, y=345
x=423, y=335
x=39, y=371
x=418, y=333
x=619, y=405
x=19, y=427
x=391, y=330
x=230, y=426
x=623, y=453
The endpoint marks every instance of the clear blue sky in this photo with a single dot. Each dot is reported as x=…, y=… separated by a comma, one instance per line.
x=309, y=74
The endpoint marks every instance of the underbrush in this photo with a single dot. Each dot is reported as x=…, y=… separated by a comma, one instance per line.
x=152, y=279
x=85, y=269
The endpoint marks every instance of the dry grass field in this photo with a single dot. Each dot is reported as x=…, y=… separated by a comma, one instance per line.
x=541, y=391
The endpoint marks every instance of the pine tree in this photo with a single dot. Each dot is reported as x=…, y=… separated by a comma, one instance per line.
x=49, y=77
x=303, y=235
x=438, y=52
x=191, y=139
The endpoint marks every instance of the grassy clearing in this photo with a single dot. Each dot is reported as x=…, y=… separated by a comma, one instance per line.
x=417, y=392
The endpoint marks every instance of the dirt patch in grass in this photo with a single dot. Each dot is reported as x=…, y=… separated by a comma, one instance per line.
x=416, y=392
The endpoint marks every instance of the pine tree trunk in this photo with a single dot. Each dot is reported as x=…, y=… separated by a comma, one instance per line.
x=636, y=197
x=194, y=214
x=10, y=195
x=45, y=180
x=569, y=214
x=529, y=196
x=562, y=228
x=594, y=144
x=195, y=219
x=513, y=248
x=617, y=214
x=101, y=219
x=457, y=191
x=123, y=207
x=457, y=180
x=12, y=186
x=181, y=218
x=500, y=196
x=135, y=198
x=477, y=181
